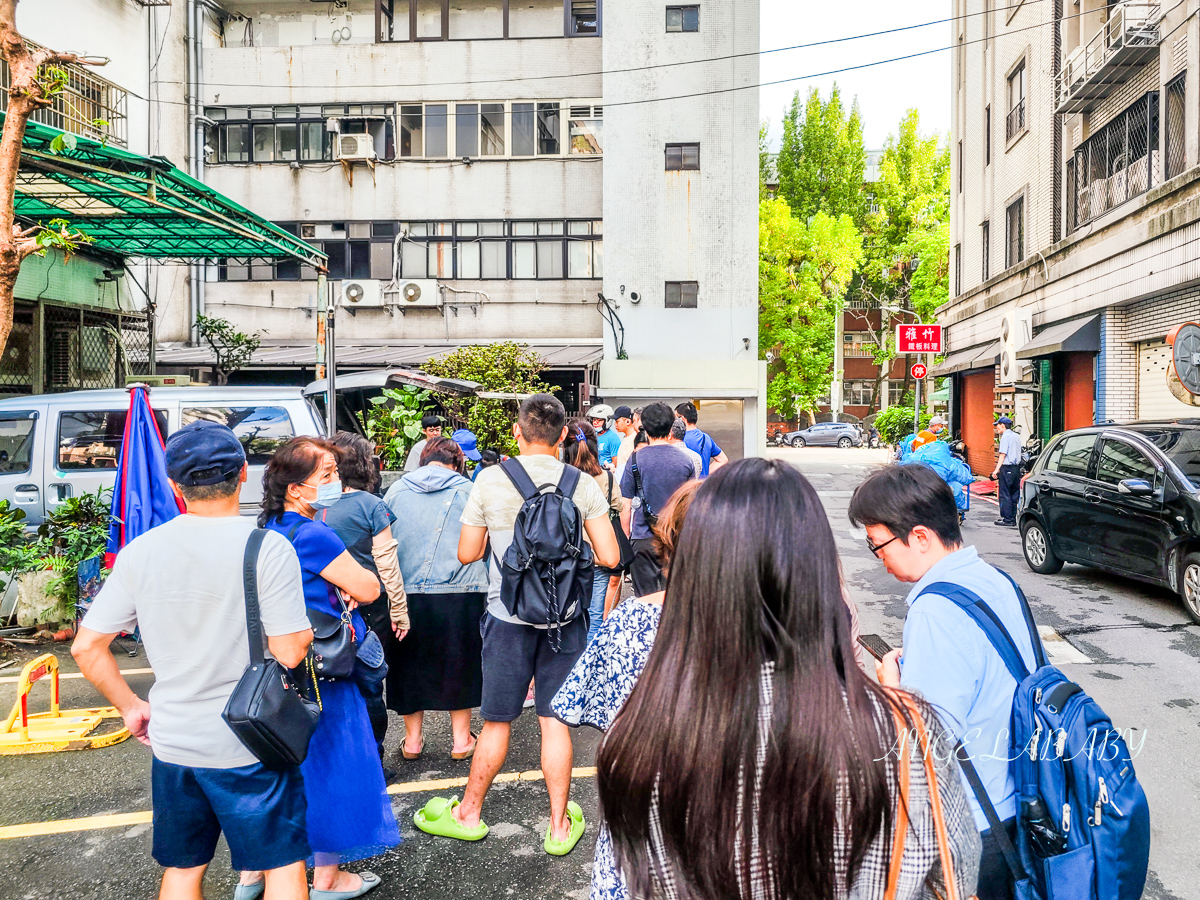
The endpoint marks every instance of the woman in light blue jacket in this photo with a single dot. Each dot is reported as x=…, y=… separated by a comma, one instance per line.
x=439, y=664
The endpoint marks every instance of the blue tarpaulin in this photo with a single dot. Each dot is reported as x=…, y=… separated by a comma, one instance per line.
x=142, y=496
x=952, y=470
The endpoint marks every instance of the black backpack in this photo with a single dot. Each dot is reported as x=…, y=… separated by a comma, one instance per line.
x=546, y=573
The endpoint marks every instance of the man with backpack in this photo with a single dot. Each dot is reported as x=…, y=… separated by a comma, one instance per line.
x=527, y=516
x=712, y=456
x=1079, y=828
x=652, y=475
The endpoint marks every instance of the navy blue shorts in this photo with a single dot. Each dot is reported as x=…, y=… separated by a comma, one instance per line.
x=260, y=810
x=513, y=654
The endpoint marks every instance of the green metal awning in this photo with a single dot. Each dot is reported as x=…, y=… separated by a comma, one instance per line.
x=141, y=206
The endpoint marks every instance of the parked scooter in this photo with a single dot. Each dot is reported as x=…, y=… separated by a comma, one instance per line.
x=1030, y=453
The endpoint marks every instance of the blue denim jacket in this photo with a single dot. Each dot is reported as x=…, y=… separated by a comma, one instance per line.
x=428, y=504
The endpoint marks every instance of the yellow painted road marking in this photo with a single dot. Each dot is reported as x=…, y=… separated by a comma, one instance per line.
x=13, y=679
x=122, y=820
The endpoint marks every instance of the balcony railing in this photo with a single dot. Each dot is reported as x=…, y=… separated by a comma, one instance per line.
x=1015, y=121
x=1116, y=163
x=88, y=105
x=1126, y=42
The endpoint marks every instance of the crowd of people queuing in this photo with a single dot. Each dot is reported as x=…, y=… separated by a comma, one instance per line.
x=747, y=752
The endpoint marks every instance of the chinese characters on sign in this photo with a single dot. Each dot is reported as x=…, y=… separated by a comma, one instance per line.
x=919, y=339
x=918, y=371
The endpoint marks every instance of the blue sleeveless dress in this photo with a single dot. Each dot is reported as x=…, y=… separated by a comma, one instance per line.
x=349, y=812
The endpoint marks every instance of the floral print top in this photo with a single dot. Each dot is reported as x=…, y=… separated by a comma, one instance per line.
x=594, y=693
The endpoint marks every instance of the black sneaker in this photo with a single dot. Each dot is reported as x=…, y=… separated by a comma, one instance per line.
x=1006, y=523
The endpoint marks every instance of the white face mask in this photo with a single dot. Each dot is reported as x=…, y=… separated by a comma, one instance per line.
x=327, y=494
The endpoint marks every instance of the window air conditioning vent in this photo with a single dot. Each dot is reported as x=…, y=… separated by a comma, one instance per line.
x=308, y=231
x=355, y=146
x=419, y=292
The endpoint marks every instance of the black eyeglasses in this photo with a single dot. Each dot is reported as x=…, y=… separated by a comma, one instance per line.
x=875, y=549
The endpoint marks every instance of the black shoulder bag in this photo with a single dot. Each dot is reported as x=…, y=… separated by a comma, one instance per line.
x=648, y=513
x=626, y=548
x=333, y=648
x=266, y=711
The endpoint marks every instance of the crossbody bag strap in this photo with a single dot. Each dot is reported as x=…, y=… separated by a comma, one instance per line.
x=972, y=604
x=250, y=586
x=637, y=487
x=1011, y=857
x=1039, y=651
x=900, y=834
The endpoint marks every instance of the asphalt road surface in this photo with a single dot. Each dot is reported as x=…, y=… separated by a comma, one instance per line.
x=75, y=825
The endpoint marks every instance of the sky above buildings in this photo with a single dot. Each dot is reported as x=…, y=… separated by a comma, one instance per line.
x=884, y=92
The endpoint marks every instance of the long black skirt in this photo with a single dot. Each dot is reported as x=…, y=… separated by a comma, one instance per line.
x=439, y=664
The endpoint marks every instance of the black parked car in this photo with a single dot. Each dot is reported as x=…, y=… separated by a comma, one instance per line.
x=1125, y=499
x=825, y=434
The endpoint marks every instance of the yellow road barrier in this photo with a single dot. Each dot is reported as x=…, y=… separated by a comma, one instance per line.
x=48, y=732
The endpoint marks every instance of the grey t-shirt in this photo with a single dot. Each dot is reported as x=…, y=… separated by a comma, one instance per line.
x=181, y=583
x=413, y=462
x=663, y=468
x=494, y=504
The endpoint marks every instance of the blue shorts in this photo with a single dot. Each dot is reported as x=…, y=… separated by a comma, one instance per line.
x=513, y=654
x=260, y=810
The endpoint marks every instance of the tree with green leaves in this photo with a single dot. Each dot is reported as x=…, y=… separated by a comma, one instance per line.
x=232, y=349
x=821, y=158
x=906, y=258
x=36, y=77
x=503, y=367
x=803, y=271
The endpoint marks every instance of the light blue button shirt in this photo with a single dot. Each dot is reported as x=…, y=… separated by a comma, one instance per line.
x=1010, y=447
x=950, y=661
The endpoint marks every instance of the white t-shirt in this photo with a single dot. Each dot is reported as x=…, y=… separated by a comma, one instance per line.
x=181, y=583
x=494, y=504
x=413, y=461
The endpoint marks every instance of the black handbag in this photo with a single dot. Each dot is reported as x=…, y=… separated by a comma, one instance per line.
x=333, y=648
x=266, y=711
x=623, y=544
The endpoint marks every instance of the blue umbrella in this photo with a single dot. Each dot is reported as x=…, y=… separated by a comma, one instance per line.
x=142, y=496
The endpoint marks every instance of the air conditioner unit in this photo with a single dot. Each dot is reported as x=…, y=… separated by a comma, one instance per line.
x=361, y=292
x=355, y=146
x=418, y=292
x=1016, y=330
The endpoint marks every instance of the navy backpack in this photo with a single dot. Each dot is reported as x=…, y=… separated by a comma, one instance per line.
x=1083, y=823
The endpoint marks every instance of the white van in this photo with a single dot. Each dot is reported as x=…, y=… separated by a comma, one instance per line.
x=55, y=446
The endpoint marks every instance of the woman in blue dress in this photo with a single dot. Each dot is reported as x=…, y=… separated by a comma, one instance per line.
x=349, y=813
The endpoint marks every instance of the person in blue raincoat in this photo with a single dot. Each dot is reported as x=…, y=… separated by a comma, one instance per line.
x=949, y=467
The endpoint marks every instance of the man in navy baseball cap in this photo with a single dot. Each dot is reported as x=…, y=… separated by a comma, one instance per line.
x=203, y=454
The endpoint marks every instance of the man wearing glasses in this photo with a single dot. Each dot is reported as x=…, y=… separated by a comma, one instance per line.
x=912, y=528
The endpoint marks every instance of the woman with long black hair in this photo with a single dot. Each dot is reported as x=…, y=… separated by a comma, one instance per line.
x=754, y=759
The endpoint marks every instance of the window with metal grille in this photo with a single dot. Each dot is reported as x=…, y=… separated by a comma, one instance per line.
x=1014, y=216
x=682, y=294
x=1116, y=163
x=987, y=249
x=1015, y=123
x=682, y=157
x=1176, y=158
x=683, y=18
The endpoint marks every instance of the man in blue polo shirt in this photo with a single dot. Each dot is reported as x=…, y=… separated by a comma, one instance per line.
x=608, y=442
x=710, y=454
x=912, y=527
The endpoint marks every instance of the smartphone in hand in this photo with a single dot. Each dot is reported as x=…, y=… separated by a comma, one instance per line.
x=875, y=645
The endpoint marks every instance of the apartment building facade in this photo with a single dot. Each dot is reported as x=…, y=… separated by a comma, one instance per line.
x=1073, y=208
x=482, y=170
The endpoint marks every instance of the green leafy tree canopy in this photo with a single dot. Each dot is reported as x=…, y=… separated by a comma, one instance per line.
x=503, y=367
x=804, y=269
x=821, y=158
x=231, y=348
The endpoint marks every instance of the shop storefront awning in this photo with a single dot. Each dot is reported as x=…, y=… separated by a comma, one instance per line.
x=1076, y=336
x=141, y=206
x=962, y=360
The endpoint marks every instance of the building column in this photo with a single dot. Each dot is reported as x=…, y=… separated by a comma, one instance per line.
x=1116, y=370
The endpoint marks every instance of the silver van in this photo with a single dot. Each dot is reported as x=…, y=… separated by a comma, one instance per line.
x=55, y=446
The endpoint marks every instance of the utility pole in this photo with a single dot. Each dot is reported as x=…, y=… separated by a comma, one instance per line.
x=839, y=363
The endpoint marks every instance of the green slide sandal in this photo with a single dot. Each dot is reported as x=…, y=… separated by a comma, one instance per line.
x=562, y=848
x=436, y=817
